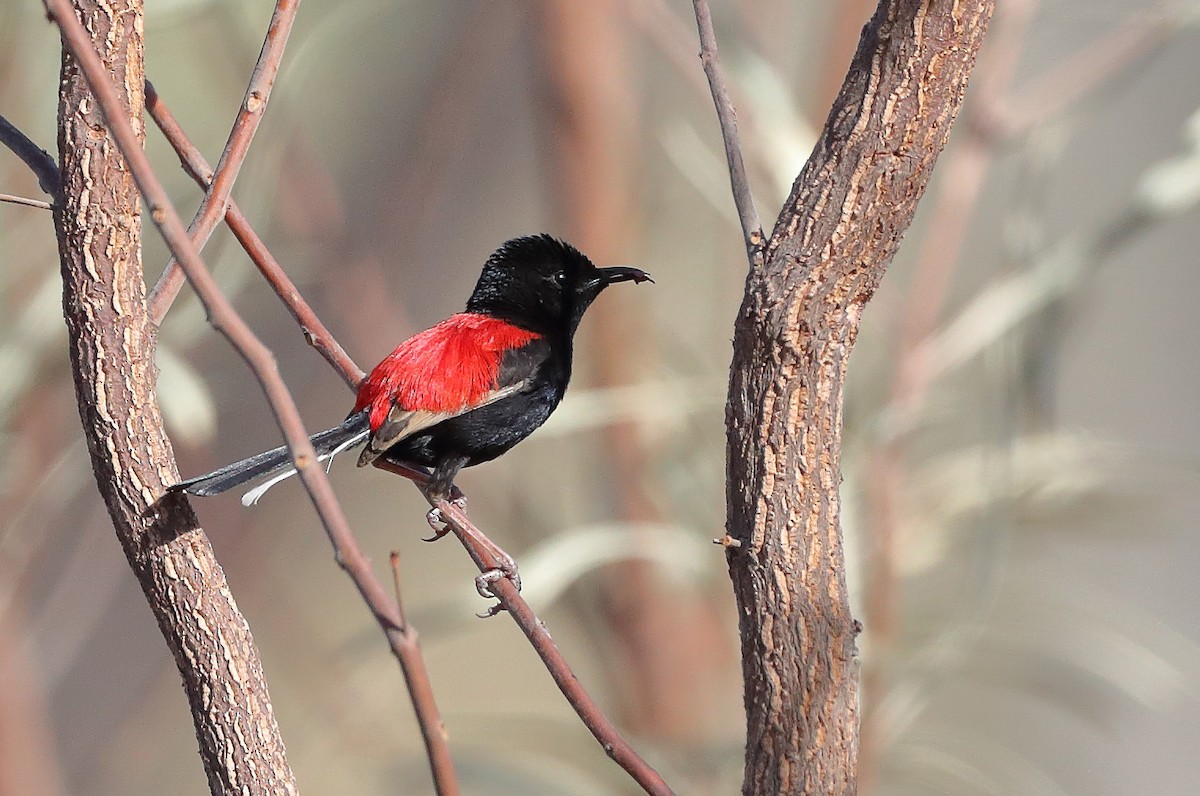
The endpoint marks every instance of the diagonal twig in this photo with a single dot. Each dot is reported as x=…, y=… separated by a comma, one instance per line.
x=511, y=601
x=250, y=114
x=535, y=630
x=751, y=227
x=198, y=169
x=225, y=320
x=27, y=202
x=39, y=161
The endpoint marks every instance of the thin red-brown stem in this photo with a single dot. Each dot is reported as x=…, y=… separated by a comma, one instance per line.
x=480, y=548
x=198, y=169
x=39, y=161
x=225, y=320
x=751, y=227
x=420, y=691
x=254, y=104
x=535, y=630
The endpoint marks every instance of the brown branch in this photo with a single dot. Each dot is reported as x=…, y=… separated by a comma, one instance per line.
x=535, y=630
x=254, y=104
x=752, y=232
x=21, y=200
x=225, y=320
x=39, y=161
x=198, y=169
x=98, y=222
x=420, y=691
x=798, y=322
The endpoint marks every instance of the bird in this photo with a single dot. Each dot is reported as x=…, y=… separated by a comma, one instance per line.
x=467, y=389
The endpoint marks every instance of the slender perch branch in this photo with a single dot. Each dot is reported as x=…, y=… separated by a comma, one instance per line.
x=535, y=630
x=198, y=169
x=740, y=183
x=254, y=105
x=39, y=161
x=511, y=601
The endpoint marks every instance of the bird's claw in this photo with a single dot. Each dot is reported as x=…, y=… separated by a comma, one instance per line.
x=440, y=527
x=437, y=522
x=483, y=584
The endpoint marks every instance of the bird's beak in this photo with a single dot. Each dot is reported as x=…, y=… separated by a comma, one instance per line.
x=617, y=273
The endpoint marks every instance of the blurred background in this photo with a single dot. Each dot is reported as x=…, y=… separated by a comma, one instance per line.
x=1022, y=434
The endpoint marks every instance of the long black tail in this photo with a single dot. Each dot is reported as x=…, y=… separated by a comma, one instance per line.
x=277, y=462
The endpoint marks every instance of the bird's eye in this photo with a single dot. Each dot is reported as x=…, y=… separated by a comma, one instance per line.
x=559, y=278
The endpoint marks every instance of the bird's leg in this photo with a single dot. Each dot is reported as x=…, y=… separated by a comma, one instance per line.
x=440, y=484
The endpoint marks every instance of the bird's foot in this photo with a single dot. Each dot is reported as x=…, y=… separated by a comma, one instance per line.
x=438, y=523
x=506, y=568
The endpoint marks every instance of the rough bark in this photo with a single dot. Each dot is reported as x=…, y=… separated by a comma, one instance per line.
x=797, y=325
x=111, y=349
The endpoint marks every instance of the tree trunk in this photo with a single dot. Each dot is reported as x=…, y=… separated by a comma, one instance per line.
x=798, y=322
x=112, y=356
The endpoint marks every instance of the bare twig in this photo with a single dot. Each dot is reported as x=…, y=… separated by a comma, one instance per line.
x=752, y=231
x=21, y=200
x=535, y=630
x=254, y=104
x=39, y=161
x=420, y=691
x=226, y=321
x=198, y=169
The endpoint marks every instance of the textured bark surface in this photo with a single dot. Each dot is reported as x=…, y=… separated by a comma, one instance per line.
x=798, y=322
x=112, y=354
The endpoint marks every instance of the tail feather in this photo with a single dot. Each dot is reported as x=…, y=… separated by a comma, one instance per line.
x=277, y=462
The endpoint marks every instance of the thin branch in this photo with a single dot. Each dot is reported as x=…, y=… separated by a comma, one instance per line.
x=752, y=231
x=225, y=320
x=39, y=161
x=198, y=169
x=480, y=548
x=535, y=630
x=254, y=104
x=420, y=691
x=21, y=200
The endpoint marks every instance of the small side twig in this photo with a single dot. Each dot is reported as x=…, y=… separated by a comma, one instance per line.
x=254, y=104
x=420, y=691
x=39, y=161
x=198, y=169
x=225, y=320
x=21, y=200
x=751, y=227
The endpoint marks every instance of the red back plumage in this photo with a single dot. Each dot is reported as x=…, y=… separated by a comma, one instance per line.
x=442, y=369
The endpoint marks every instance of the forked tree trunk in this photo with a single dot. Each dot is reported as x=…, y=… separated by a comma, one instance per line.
x=797, y=325
x=112, y=355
